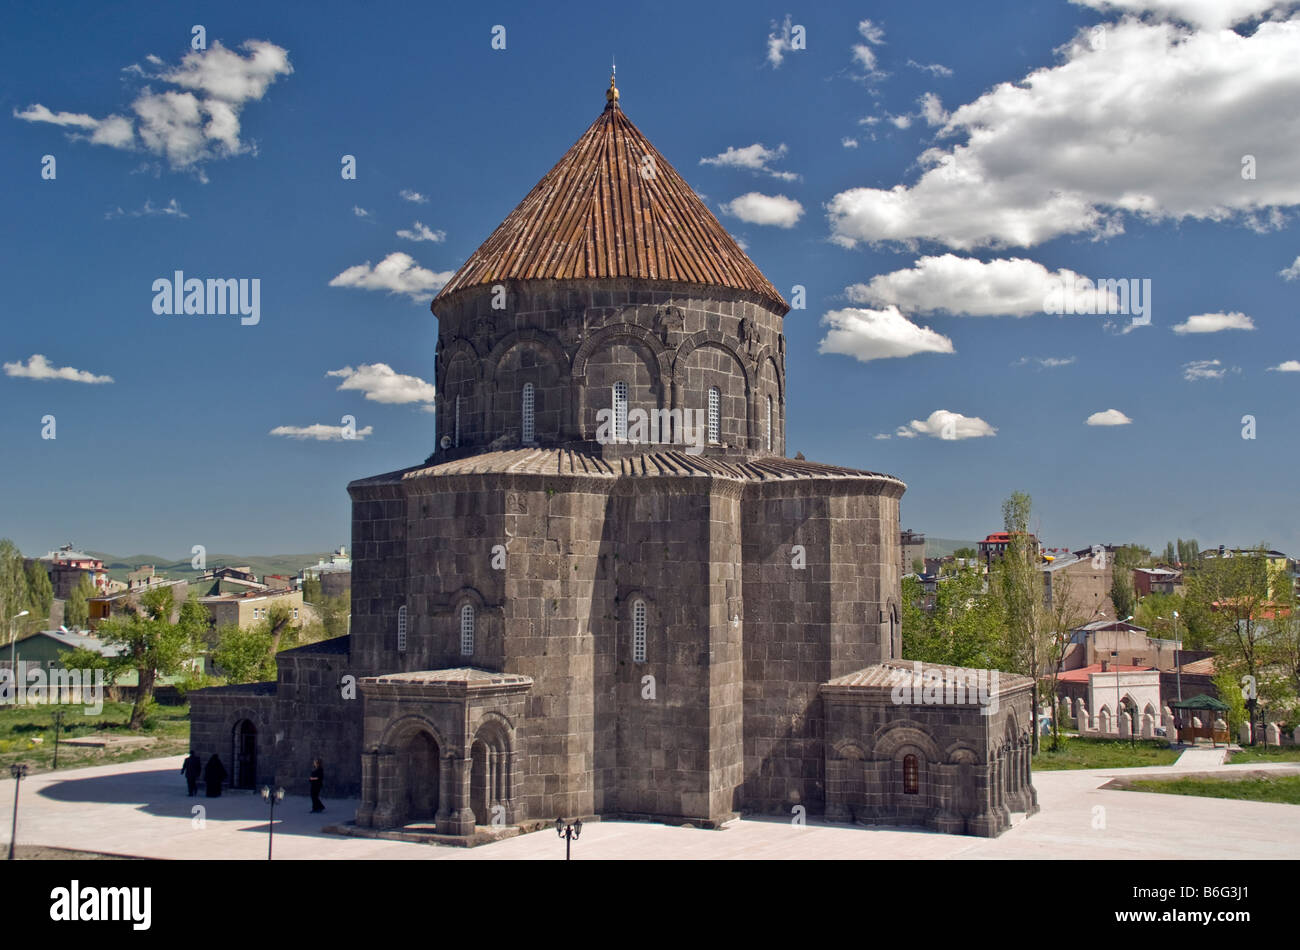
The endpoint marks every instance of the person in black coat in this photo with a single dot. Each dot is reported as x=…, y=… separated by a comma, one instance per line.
x=317, y=780
x=192, y=769
x=214, y=775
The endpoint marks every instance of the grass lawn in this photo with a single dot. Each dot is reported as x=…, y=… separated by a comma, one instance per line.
x=1289, y=753
x=21, y=725
x=1088, y=753
x=1283, y=788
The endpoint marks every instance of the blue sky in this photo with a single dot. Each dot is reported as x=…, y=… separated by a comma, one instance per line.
x=1102, y=139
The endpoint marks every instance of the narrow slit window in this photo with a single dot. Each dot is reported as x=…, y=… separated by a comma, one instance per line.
x=911, y=775
x=467, y=630
x=401, y=629
x=715, y=414
x=638, y=632
x=620, y=411
x=456, y=437
x=769, y=423
x=526, y=427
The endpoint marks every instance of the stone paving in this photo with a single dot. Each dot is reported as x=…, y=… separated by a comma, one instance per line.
x=140, y=808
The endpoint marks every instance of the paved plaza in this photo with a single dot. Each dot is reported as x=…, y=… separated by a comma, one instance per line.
x=141, y=809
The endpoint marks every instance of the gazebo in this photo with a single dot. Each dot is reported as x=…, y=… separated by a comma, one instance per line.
x=1201, y=703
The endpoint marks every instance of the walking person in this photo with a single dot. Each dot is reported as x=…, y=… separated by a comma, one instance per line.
x=192, y=768
x=214, y=775
x=317, y=780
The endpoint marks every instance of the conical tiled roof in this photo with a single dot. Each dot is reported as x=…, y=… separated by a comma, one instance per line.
x=612, y=207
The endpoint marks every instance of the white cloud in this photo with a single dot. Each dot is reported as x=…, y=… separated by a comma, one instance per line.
x=900, y=121
x=949, y=426
x=421, y=232
x=414, y=196
x=1214, y=322
x=779, y=42
x=1108, y=417
x=1210, y=14
x=934, y=69
x=1046, y=362
x=198, y=123
x=38, y=367
x=1203, y=369
x=381, y=383
x=878, y=334
x=1289, y=366
x=863, y=54
x=932, y=110
x=321, y=432
x=1070, y=149
x=755, y=208
x=966, y=286
x=171, y=210
x=882, y=435
x=1292, y=272
x=848, y=142
x=360, y=212
x=397, y=273
x=755, y=158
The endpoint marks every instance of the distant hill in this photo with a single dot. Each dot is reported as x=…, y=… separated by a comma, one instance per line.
x=287, y=564
x=941, y=547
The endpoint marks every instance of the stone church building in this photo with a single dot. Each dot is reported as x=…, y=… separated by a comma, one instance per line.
x=562, y=612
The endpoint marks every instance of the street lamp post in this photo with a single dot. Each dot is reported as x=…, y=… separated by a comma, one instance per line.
x=271, y=796
x=58, y=726
x=569, y=833
x=19, y=771
x=13, y=668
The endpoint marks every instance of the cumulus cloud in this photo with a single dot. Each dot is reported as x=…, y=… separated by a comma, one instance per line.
x=1210, y=14
x=863, y=54
x=878, y=334
x=1108, y=417
x=1203, y=369
x=170, y=210
x=1292, y=272
x=966, y=286
x=414, y=196
x=360, y=212
x=756, y=158
x=780, y=42
x=1214, y=322
x=1289, y=366
x=1070, y=149
x=321, y=432
x=397, y=273
x=949, y=426
x=194, y=123
x=381, y=383
x=848, y=142
x=38, y=367
x=421, y=232
x=756, y=208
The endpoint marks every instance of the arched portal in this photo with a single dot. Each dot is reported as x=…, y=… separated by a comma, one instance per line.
x=418, y=761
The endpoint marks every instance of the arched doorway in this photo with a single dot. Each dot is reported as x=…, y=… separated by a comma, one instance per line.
x=244, y=755
x=480, y=795
x=419, y=762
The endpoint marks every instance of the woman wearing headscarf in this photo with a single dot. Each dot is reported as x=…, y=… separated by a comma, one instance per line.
x=214, y=775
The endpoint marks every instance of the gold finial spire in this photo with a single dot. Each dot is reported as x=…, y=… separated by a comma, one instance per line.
x=611, y=94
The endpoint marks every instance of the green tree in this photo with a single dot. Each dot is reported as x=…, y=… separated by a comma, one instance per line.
x=1229, y=690
x=40, y=593
x=14, y=594
x=244, y=655
x=311, y=589
x=76, y=612
x=152, y=644
x=1066, y=613
x=334, y=613
x=965, y=552
x=1122, y=594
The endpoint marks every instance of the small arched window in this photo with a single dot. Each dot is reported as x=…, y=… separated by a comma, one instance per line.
x=526, y=428
x=401, y=629
x=911, y=775
x=467, y=630
x=456, y=437
x=620, y=411
x=769, y=423
x=638, y=631
x=715, y=414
